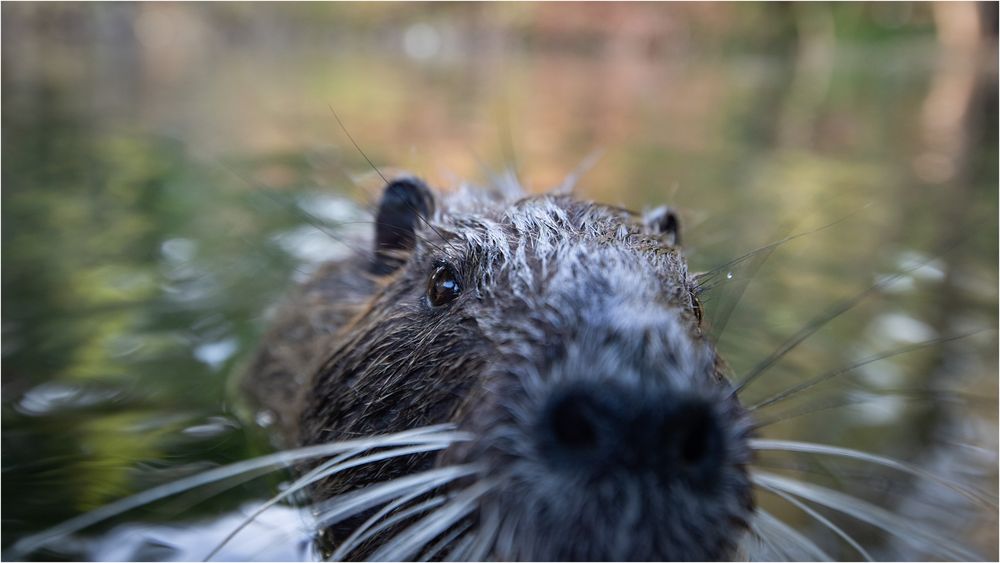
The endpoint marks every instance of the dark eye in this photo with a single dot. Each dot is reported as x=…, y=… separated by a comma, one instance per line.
x=443, y=287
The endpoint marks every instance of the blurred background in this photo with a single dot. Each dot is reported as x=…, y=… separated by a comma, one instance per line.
x=164, y=167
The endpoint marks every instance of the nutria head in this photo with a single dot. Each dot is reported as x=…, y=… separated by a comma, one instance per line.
x=565, y=338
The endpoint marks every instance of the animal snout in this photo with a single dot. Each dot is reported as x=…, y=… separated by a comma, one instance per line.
x=600, y=430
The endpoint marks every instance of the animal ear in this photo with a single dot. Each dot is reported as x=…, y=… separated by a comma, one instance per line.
x=405, y=201
x=664, y=221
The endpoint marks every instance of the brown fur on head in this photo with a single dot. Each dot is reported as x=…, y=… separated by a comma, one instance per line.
x=564, y=335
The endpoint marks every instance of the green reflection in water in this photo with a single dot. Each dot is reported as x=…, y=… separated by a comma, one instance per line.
x=153, y=198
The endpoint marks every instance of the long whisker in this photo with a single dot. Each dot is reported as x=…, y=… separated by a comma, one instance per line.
x=303, y=214
x=356, y=146
x=823, y=449
x=379, y=172
x=408, y=542
x=866, y=512
x=776, y=244
x=369, y=528
x=445, y=541
x=309, y=218
x=779, y=530
x=722, y=314
x=812, y=382
x=821, y=405
x=355, y=502
x=569, y=182
x=322, y=472
x=817, y=323
x=505, y=537
x=394, y=228
x=480, y=542
x=506, y=138
x=761, y=548
x=821, y=519
x=295, y=487
x=349, y=504
x=819, y=469
x=464, y=549
x=248, y=469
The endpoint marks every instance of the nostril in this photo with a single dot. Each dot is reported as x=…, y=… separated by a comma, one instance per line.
x=571, y=418
x=697, y=434
x=596, y=430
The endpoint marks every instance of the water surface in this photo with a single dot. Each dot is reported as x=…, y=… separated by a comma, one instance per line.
x=164, y=166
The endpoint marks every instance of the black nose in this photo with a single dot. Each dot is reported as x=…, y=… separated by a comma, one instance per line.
x=601, y=429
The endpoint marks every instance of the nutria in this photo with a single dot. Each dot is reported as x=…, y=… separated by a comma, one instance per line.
x=503, y=376
x=563, y=336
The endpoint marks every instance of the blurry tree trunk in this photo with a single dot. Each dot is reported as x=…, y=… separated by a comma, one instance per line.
x=958, y=115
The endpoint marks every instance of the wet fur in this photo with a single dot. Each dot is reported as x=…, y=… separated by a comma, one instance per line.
x=556, y=290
